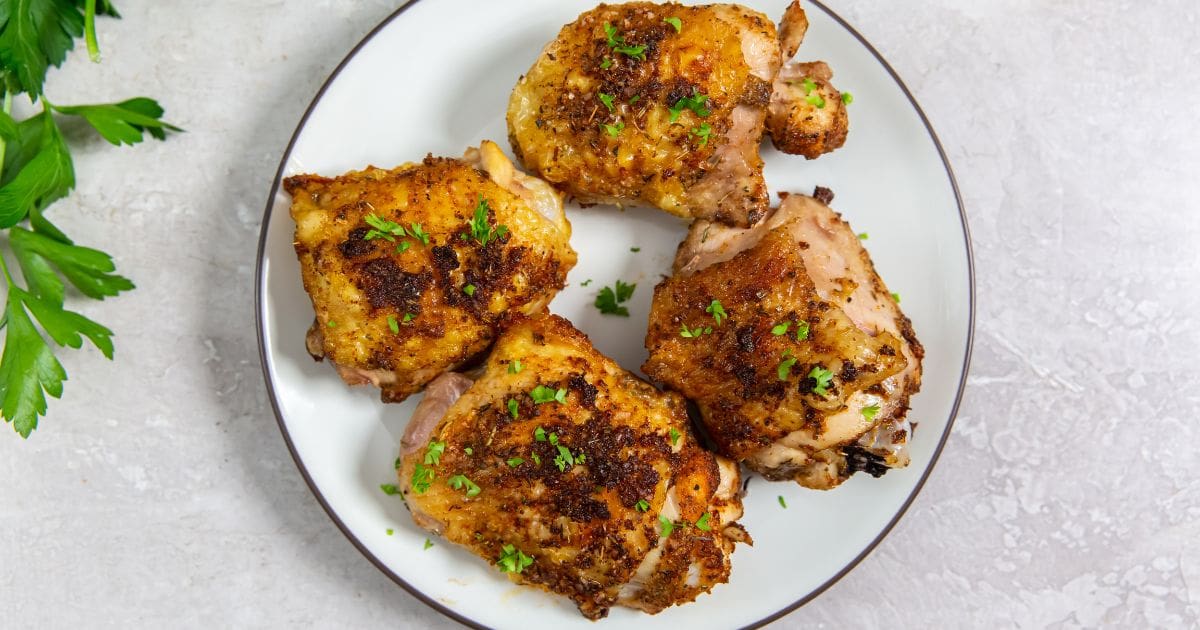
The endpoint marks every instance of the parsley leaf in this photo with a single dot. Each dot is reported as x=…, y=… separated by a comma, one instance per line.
x=481, y=229
x=675, y=22
x=692, y=333
x=469, y=289
x=618, y=45
x=421, y=235
x=642, y=505
x=389, y=489
x=862, y=236
x=124, y=122
x=613, y=130
x=702, y=132
x=539, y=434
x=781, y=329
x=665, y=526
x=515, y=461
x=782, y=503
x=383, y=228
x=717, y=310
x=896, y=298
x=675, y=435
x=542, y=394
x=609, y=301
x=815, y=100
x=515, y=367
x=48, y=175
x=433, y=453
x=606, y=64
x=785, y=366
x=87, y=269
x=607, y=99
x=869, y=413
x=422, y=478
x=35, y=34
x=823, y=378
x=513, y=560
x=392, y=324
x=696, y=102
x=802, y=331
x=847, y=98
x=702, y=523
x=513, y=408
x=459, y=482
x=428, y=544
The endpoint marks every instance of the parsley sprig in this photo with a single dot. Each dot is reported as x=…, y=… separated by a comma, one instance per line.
x=481, y=228
x=697, y=103
x=36, y=170
x=610, y=299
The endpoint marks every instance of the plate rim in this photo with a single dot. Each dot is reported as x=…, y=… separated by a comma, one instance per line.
x=260, y=281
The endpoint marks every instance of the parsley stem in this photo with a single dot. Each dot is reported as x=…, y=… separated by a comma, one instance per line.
x=3, y=144
x=89, y=31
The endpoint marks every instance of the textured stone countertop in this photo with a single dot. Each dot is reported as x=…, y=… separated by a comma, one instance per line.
x=158, y=493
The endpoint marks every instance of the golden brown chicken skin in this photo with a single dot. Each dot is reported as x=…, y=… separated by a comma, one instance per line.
x=808, y=375
x=411, y=269
x=653, y=103
x=572, y=475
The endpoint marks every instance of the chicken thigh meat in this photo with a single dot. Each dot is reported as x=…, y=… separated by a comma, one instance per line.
x=807, y=373
x=410, y=270
x=572, y=475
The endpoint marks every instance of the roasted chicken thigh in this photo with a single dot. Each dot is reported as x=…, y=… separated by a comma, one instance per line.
x=796, y=354
x=572, y=475
x=665, y=104
x=411, y=269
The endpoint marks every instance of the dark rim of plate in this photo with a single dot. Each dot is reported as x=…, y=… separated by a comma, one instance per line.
x=438, y=606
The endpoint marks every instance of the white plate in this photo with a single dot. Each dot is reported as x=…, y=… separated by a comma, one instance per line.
x=435, y=77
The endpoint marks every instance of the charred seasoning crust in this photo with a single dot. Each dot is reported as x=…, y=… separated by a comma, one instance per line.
x=359, y=284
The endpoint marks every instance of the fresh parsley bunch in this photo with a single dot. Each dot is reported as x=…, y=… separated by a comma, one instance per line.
x=35, y=171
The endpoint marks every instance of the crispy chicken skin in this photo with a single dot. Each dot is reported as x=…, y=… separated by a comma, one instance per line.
x=595, y=119
x=395, y=311
x=560, y=482
x=801, y=265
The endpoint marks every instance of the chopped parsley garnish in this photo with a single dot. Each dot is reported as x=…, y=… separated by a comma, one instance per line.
x=515, y=461
x=781, y=329
x=702, y=524
x=815, y=100
x=536, y=460
x=642, y=505
x=613, y=130
x=696, y=102
x=481, y=230
x=554, y=438
x=809, y=85
x=635, y=249
x=389, y=489
x=408, y=317
x=609, y=300
x=392, y=324
x=675, y=22
x=459, y=482
x=542, y=394
x=635, y=98
x=896, y=298
x=390, y=531
x=702, y=132
x=847, y=98
x=422, y=478
x=469, y=450
x=513, y=560
x=514, y=367
x=782, y=503
x=428, y=544
x=469, y=289
x=585, y=282
x=862, y=236
x=403, y=247
x=433, y=453
x=383, y=229
x=802, y=331
x=414, y=229
x=396, y=464
x=692, y=333
x=618, y=45
x=539, y=434
x=785, y=366
x=513, y=407
x=675, y=435
x=823, y=378
x=665, y=526
x=870, y=412
x=606, y=64
x=717, y=311
x=332, y=324
x=564, y=460
x=607, y=99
